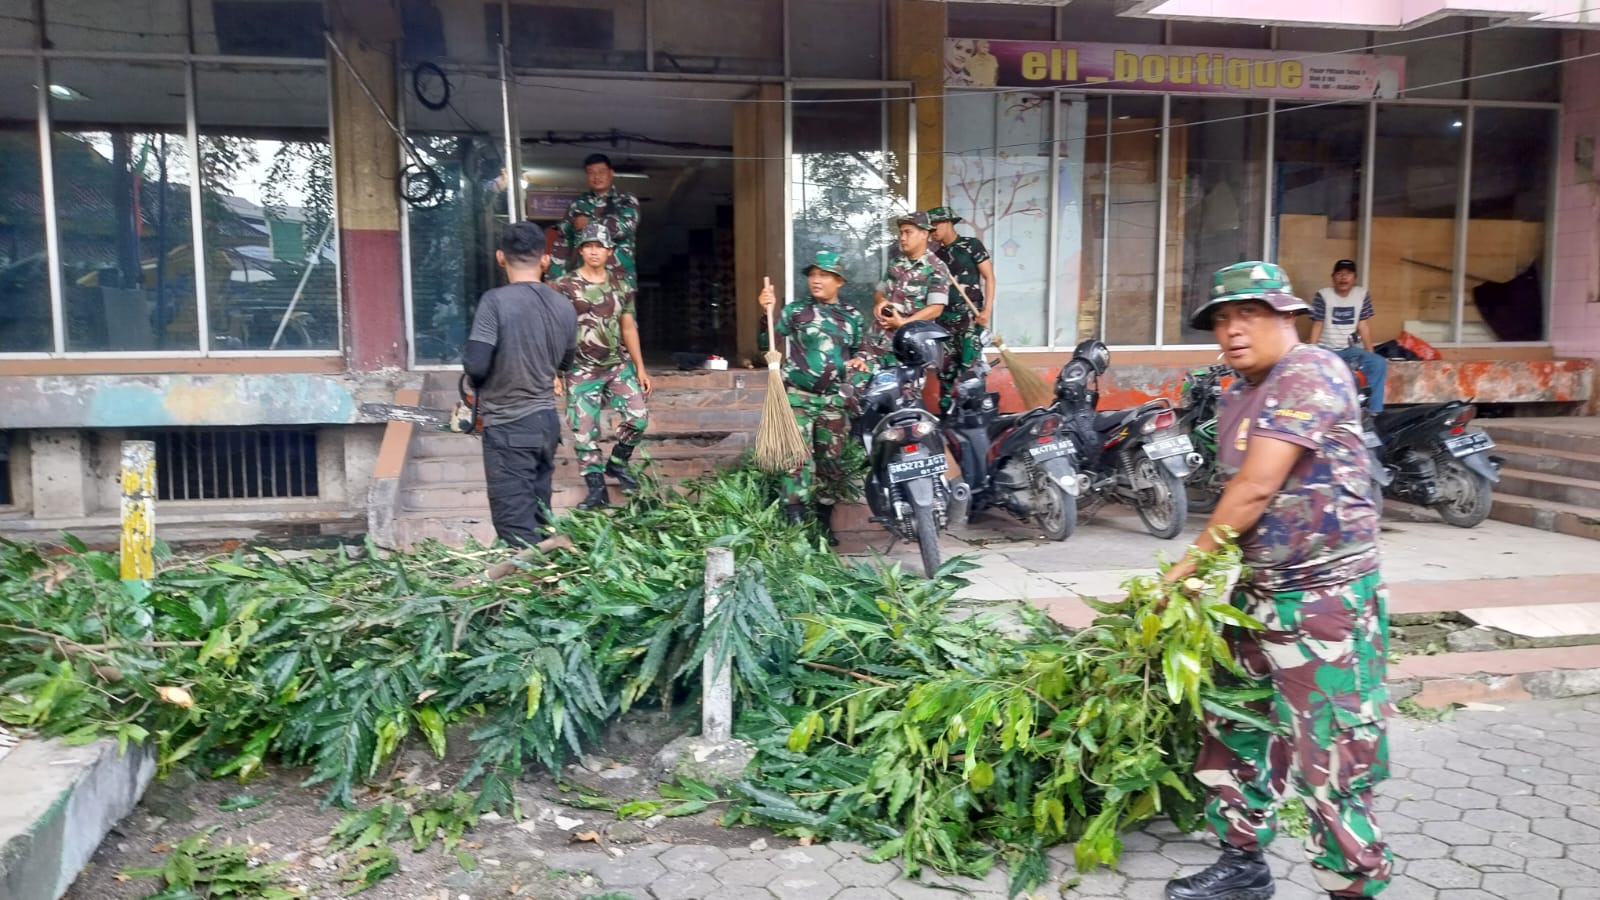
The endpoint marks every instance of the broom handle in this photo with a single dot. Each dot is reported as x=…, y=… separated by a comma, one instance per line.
x=772, y=312
x=993, y=335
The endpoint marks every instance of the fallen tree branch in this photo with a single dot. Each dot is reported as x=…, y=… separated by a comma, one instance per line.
x=838, y=671
x=68, y=644
x=510, y=566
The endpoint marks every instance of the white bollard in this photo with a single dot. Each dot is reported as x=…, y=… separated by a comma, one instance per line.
x=716, y=702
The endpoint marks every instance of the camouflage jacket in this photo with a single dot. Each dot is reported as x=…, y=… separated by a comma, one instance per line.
x=912, y=284
x=963, y=256
x=1320, y=529
x=600, y=308
x=618, y=211
x=822, y=339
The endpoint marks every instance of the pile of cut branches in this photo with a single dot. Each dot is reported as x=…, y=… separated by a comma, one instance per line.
x=877, y=716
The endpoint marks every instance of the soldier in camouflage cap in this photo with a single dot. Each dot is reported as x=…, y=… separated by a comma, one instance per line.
x=617, y=211
x=1299, y=496
x=608, y=370
x=973, y=272
x=824, y=352
x=916, y=288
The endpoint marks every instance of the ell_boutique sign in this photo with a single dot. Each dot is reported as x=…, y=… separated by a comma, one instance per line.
x=1203, y=70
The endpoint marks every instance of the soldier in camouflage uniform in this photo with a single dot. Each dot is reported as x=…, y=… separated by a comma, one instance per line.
x=824, y=351
x=608, y=369
x=602, y=204
x=1299, y=497
x=916, y=288
x=973, y=270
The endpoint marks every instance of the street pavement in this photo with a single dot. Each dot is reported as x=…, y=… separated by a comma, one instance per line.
x=1494, y=802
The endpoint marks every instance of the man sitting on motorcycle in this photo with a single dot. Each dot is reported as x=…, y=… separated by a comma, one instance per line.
x=1298, y=496
x=1340, y=321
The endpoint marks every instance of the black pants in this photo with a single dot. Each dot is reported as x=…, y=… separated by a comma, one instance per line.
x=518, y=459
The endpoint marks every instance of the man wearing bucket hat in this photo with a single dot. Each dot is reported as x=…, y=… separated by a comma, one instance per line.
x=824, y=352
x=608, y=370
x=916, y=287
x=1298, y=497
x=973, y=271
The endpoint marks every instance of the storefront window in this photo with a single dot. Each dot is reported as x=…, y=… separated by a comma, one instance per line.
x=1216, y=201
x=576, y=34
x=1130, y=199
x=267, y=209
x=1415, y=190
x=1316, y=188
x=1436, y=57
x=1000, y=21
x=844, y=188
x=454, y=211
x=1506, y=227
x=1080, y=170
x=1504, y=49
x=997, y=177
x=24, y=269
x=122, y=181
x=819, y=48
x=747, y=37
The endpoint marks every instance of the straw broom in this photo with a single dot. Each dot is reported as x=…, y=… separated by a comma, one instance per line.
x=1034, y=391
x=779, y=445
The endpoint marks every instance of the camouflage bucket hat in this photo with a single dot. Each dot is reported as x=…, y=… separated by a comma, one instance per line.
x=943, y=214
x=828, y=261
x=918, y=218
x=596, y=234
x=1253, y=280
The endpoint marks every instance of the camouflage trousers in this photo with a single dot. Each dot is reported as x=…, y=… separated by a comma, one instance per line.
x=1323, y=655
x=824, y=422
x=962, y=352
x=590, y=393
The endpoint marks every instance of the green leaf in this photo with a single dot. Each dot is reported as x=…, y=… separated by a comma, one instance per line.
x=239, y=802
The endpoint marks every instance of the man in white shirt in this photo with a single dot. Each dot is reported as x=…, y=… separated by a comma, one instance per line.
x=1341, y=321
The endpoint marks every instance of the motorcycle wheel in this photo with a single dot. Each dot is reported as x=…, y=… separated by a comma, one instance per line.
x=1057, y=510
x=927, y=539
x=1162, y=508
x=1468, y=494
x=1202, y=492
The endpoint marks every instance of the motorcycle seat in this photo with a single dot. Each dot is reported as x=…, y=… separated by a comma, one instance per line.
x=1391, y=420
x=1111, y=420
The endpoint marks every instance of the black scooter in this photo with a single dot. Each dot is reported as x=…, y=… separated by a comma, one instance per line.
x=1433, y=457
x=906, y=489
x=1017, y=462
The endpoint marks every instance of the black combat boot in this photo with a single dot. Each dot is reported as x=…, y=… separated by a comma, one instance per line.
x=617, y=467
x=825, y=523
x=795, y=514
x=597, y=491
x=1238, y=875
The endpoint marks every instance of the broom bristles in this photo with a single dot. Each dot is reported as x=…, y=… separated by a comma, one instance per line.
x=779, y=445
x=1031, y=387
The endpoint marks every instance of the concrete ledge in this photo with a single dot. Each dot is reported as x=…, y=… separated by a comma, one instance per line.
x=60, y=802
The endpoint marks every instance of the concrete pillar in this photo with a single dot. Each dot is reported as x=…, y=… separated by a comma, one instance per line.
x=365, y=154
x=916, y=54
x=758, y=188
x=60, y=489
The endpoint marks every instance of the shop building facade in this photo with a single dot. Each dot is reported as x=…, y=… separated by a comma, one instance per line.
x=226, y=224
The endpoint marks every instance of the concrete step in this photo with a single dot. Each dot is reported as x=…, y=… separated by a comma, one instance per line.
x=750, y=397
x=1497, y=675
x=666, y=379
x=1557, y=488
x=428, y=471
x=1571, y=435
x=1547, y=515
x=658, y=443
x=1550, y=462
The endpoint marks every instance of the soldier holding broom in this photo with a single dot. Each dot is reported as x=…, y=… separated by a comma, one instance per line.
x=973, y=273
x=824, y=346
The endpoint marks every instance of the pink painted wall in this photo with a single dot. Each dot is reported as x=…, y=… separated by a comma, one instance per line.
x=1365, y=13
x=1575, y=298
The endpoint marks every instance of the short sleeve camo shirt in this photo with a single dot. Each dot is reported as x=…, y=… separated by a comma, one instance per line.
x=963, y=256
x=599, y=308
x=1321, y=528
x=823, y=337
x=912, y=284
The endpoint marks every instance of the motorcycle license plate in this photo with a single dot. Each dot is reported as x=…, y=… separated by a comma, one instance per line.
x=1050, y=450
x=907, y=469
x=1467, y=444
x=1172, y=446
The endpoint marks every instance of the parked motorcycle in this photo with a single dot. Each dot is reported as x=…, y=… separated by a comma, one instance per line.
x=1137, y=456
x=906, y=489
x=1202, y=393
x=1435, y=458
x=1019, y=463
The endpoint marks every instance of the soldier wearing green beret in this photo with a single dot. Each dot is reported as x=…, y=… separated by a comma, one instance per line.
x=824, y=353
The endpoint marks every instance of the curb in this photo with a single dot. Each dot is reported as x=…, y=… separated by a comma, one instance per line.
x=61, y=802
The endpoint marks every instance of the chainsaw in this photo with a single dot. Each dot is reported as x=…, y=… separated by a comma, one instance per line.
x=463, y=418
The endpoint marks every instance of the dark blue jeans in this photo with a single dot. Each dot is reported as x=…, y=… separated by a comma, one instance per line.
x=1374, y=367
x=518, y=459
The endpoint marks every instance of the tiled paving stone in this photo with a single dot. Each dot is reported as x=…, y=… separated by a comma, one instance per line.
x=817, y=885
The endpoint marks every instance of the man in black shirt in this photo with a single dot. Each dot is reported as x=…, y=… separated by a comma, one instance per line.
x=523, y=336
